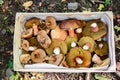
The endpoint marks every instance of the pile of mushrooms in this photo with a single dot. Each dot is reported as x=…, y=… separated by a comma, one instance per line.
x=72, y=43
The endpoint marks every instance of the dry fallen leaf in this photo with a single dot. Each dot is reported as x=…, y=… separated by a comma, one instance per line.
x=27, y=4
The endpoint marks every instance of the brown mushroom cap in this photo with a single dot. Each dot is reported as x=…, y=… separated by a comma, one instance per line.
x=24, y=58
x=58, y=60
x=38, y=56
x=29, y=23
x=50, y=22
x=43, y=39
x=25, y=45
x=27, y=33
x=70, y=24
x=58, y=33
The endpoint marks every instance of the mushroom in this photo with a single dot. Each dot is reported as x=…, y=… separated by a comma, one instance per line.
x=33, y=23
x=70, y=25
x=64, y=63
x=25, y=45
x=25, y=58
x=58, y=33
x=27, y=4
x=60, y=45
x=32, y=48
x=105, y=62
x=43, y=39
x=95, y=29
x=38, y=56
x=101, y=48
x=50, y=22
x=96, y=59
x=77, y=57
x=27, y=33
x=58, y=59
x=27, y=76
x=87, y=43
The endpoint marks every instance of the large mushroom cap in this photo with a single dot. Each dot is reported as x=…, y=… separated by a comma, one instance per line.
x=70, y=24
x=50, y=22
x=43, y=39
x=101, y=50
x=38, y=56
x=95, y=35
x=78, y=52
x=29, y=23
x=58, y=33
x=85, y=40
x=57, y=43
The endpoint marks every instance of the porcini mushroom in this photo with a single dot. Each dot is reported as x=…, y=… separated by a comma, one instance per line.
x=38, y=56
x=58, y=33
x=50, y=22
x=43, y=39
x=77, y=57
x=95, y=29
x=101, y=48
x=25, y=58
x=27, y=33
x=56, y=43
x=33, y=23
x=70, y=25
x=96, y=59
x=25, y=45
x=87, y=43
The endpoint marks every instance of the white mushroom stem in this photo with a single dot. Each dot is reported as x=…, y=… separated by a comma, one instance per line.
x=100, y=45
x=79, y=60
x=31, y=48
x=86, y=46
x=100, y=39
x=56, y=50
x=73, y=44
x=94, y=27
x=78, y=30
x=96, y=59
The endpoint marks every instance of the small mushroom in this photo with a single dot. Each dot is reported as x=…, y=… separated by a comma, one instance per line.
x=58, y=59
x=43, y=39
x=27, y=33
x=58, y=33
x=38, y=56
x=105, y=62
x=70, y=25
x=87, y=43
x=27, y=76
x=25, y=45
x=96, y=59
x=50, y=22
x=32, y=48
x=25, y=58
x=101, y=48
